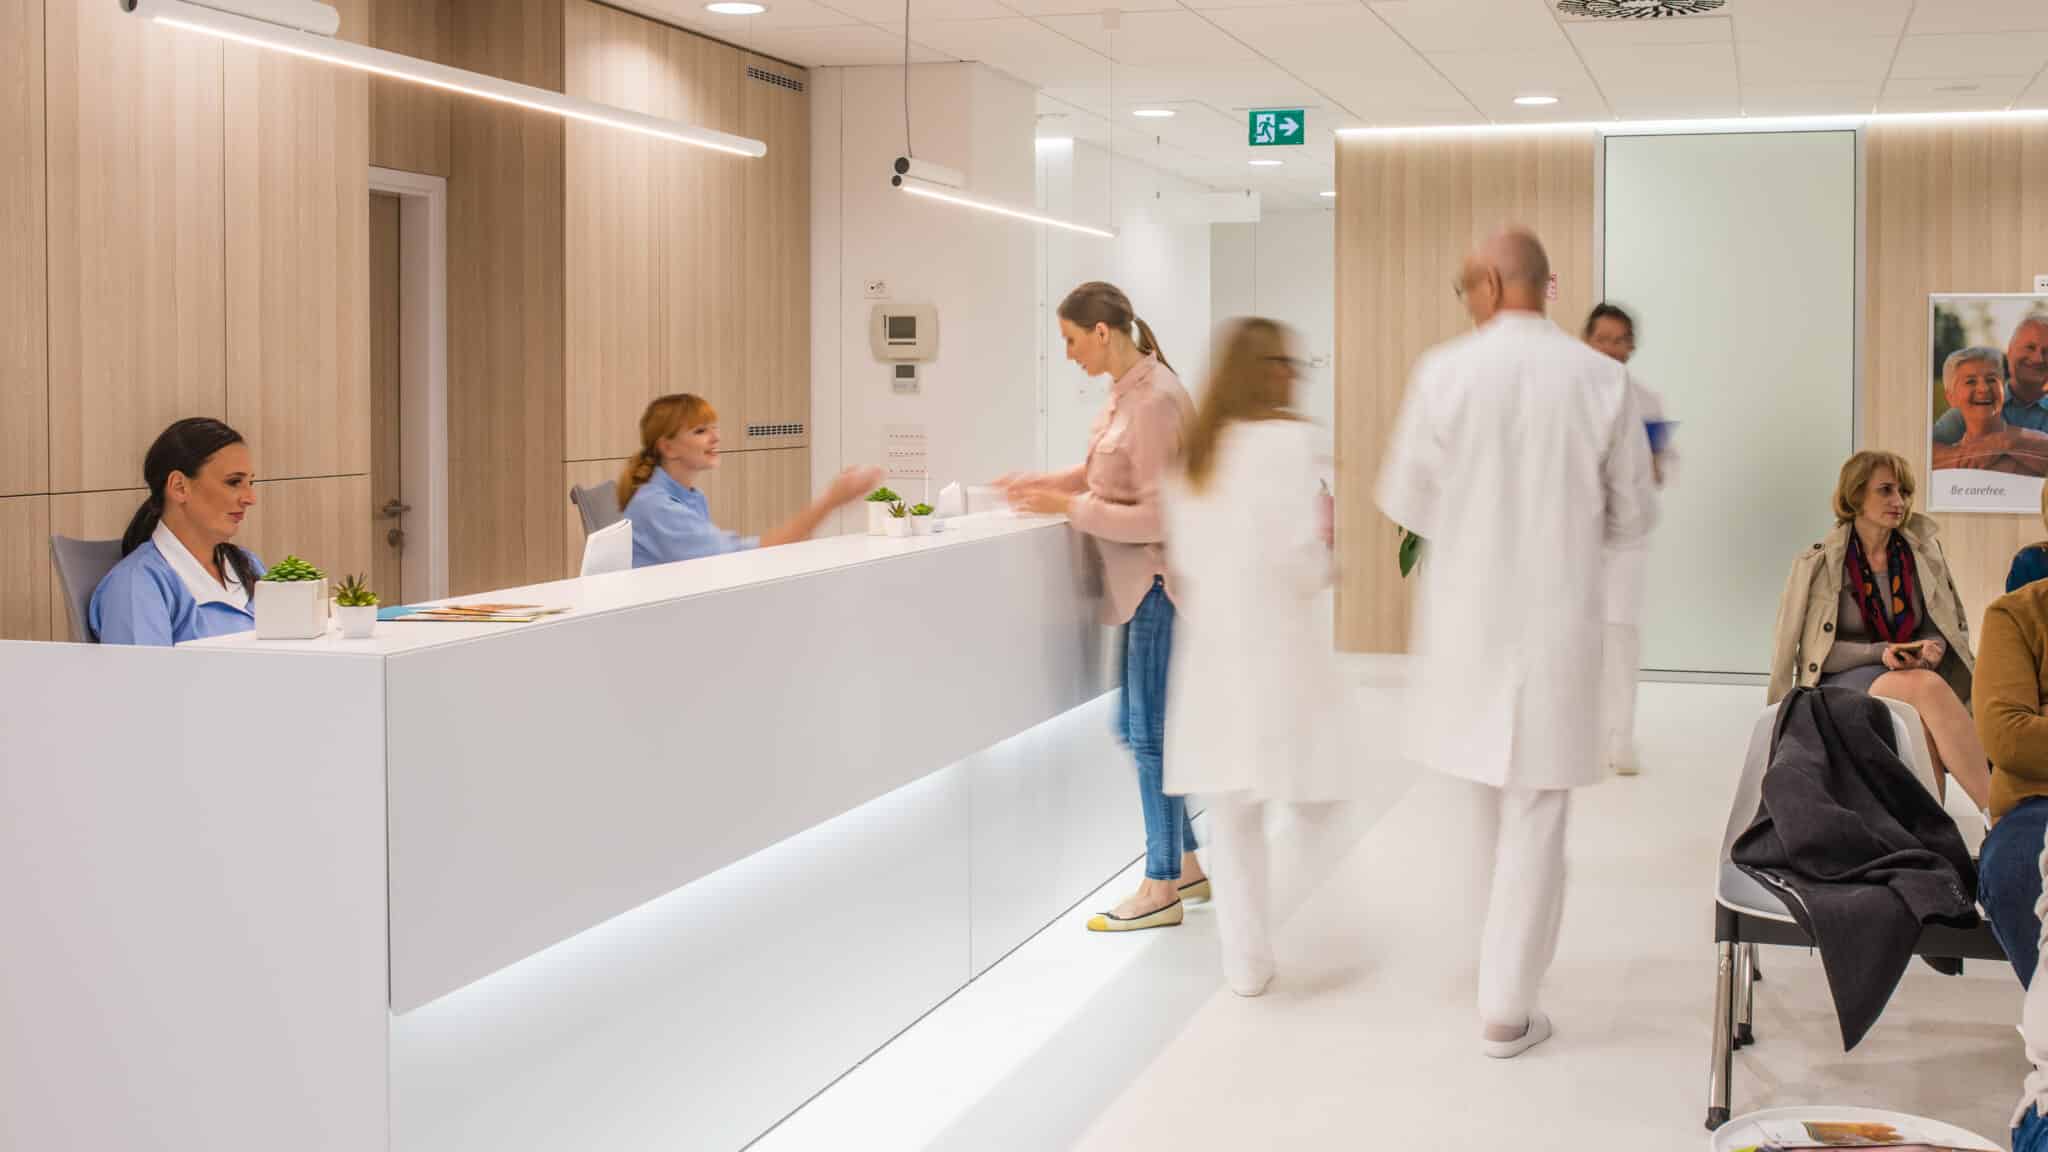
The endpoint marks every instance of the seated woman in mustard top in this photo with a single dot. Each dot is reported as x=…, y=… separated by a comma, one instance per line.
x=658, y=493
x=180, y=577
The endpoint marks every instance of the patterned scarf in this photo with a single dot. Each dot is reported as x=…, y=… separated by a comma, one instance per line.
x=1896, y=625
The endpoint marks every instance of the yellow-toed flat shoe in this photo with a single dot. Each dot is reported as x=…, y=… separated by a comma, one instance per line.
x=1196, y=890
x=1166, y=917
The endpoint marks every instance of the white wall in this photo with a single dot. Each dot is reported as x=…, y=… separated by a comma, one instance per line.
x=1284, y=268
x=979, y=399
x=1160, y=258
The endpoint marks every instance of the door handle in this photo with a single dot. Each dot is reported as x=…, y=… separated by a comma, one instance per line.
x=393, y=509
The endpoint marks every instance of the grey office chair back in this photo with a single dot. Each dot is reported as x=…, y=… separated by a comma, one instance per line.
x=598, y=505
x=81, y=565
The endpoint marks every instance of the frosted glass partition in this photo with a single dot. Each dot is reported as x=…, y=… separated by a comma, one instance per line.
x=1737, y=254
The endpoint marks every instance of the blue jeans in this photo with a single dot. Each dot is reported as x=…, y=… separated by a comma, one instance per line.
x=2009, y=882
x=1141, y=720
x=2032, y=1134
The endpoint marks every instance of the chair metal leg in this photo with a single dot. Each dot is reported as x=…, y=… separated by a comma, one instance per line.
x=1721, y=1066
x=1745, y=996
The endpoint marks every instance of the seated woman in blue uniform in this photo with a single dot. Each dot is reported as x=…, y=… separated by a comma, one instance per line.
x=180, y=577
x=658, y=489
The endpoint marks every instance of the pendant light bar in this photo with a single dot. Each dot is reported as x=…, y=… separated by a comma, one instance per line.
x=233, y=25
x=940, y=192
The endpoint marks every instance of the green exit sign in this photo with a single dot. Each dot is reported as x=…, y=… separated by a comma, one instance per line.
x=1277, y=127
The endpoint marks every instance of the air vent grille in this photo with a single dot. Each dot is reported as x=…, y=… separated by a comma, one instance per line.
x=775, y=78
x=1635, y=9
x=775, y=430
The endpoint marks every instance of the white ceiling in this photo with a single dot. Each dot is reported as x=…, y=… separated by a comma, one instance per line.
x=1355, y=63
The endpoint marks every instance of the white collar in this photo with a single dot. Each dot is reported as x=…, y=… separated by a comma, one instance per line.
x=198, y=581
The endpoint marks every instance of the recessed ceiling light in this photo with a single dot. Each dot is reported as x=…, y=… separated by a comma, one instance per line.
x=1265, y=163
x=736, y=8
x=1330, y=195
x=1155, y=113
x=1535, y=101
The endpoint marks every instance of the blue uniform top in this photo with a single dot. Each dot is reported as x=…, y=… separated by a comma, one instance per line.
x=160, y=594
x=673, y=522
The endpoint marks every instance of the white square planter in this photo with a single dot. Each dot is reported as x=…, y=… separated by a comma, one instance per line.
x=294, y=610
x=357, y=623
x=878, y=518
x=898, y=526
x=923, y=525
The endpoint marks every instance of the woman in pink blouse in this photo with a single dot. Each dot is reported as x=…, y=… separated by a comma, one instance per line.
x=1114, y=499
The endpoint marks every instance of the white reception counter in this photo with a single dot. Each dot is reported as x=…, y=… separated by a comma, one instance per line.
x=647, y=874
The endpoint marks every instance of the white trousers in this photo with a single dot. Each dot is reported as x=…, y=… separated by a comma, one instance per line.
x=1525, y=830
x=1238, y=858
x=1621, y=655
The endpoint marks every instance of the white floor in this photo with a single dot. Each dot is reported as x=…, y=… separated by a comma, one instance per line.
x=1367, y=1039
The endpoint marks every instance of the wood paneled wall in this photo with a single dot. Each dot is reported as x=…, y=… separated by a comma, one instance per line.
x=187, y=220
x=505, y=249
x=1950, y=208
x=1408, y=210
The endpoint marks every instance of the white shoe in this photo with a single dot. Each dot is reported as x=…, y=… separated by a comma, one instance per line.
x=1536, y=1033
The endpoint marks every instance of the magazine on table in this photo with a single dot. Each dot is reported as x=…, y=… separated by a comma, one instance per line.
x=1802, y=1135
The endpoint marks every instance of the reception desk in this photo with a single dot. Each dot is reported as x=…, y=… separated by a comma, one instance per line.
x=646, y=874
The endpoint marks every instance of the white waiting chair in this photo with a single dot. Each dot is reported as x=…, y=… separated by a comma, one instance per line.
x=1748, y=913
x=609, y=549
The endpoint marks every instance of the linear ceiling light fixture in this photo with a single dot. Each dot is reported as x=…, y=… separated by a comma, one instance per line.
x=1704, y=124
x=306, y=29
x=931, y=182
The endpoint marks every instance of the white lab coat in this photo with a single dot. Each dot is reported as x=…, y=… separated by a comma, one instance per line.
x=1519, y=456
x=1628, y=564
x=1253, y=704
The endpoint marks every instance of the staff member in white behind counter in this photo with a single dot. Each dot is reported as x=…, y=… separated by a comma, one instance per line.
x=180, y=577
x=1612, y=332
x=671, y=519
x=1114, y=498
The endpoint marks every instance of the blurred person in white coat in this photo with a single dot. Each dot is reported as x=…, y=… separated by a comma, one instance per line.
x=1253, y=706
x=1520, y=457
x=1612, y=331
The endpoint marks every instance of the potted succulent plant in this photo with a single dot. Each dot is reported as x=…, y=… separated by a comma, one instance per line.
x=899, y=523
x=878, y=510
x=291, y=601
x=922, y=522
x=356, y=606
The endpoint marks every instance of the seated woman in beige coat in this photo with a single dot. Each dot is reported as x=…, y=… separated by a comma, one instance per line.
x=1873, y=607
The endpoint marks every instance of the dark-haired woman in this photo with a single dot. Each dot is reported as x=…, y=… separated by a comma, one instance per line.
x=181, y=577
x=1114, y=498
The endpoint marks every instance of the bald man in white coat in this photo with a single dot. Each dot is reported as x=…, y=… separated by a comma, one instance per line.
x=1519, y=457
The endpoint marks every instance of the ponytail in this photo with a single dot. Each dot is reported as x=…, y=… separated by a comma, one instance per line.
x=142, y=525
x=1097, y=302
x=185, y=447
x=664, y=417
x=639, y=470
x=1149, y=344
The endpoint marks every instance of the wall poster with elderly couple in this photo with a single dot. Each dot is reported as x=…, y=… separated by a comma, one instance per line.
x=1988, y=450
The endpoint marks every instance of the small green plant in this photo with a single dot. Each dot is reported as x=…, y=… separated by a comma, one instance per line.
x=1410, y=552
x=883, y=496
x=920, y=509
x=898, y=511
x=292, y=570
x=353, y=593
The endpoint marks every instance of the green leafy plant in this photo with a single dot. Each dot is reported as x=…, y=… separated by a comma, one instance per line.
x=1410, y=552
x=292, y=570
x=920, y=509
x=898, y=511
x=883, y=496
x=353, y=593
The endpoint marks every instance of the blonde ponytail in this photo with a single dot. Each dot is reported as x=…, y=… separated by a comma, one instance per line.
x=665, y=416
x=1149, y=344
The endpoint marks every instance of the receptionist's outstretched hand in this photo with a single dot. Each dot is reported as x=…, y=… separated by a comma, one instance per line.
x=851, y=485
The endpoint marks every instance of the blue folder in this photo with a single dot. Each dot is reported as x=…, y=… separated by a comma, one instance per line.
x=1660, y=434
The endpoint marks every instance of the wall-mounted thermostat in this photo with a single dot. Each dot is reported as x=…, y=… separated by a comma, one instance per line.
x=904, y=332
x=903, y=378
